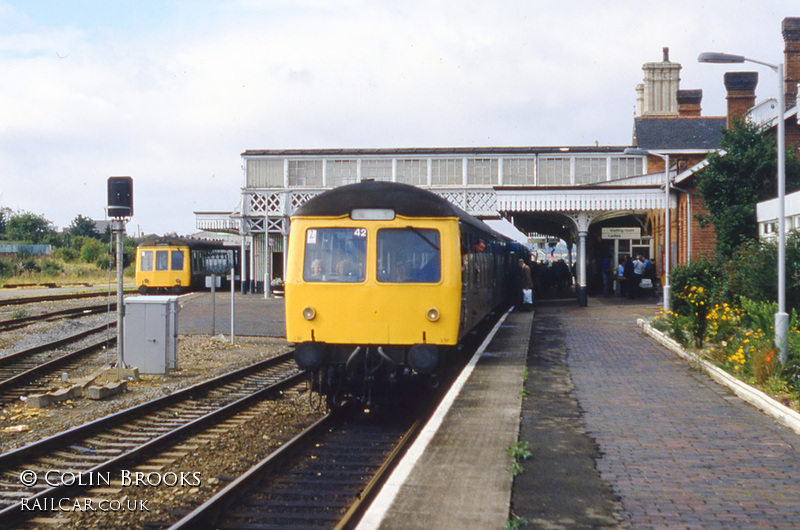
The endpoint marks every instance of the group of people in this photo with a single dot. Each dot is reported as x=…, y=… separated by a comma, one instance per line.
x=635, y=276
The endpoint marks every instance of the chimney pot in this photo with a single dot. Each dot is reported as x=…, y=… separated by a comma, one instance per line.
x=689, y=103
x=741, y=87
x=666, y=54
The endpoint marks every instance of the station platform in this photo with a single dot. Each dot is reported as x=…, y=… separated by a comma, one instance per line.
x=622, y=434
x=456, y=474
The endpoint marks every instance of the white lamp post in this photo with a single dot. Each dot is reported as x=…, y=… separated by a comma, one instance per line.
x=781, y=317
x=665, y=157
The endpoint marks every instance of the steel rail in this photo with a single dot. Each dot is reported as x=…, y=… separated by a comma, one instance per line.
x=56, y=297
x=16, y=323
x=205, y=514
x=41, y=369
x=16, y=511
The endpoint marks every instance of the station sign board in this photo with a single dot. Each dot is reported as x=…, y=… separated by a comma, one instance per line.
x=621, y=232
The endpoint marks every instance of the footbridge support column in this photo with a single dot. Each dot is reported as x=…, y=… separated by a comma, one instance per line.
x=582, y=221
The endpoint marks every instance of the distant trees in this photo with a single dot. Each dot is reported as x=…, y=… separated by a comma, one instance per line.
x=81, y=241
x=83, y=226
x=27, y=227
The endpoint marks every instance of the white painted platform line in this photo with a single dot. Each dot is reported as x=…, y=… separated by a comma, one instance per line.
x=374, y=516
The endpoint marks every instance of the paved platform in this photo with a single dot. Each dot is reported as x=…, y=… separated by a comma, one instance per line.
x=254, y=315
x=624, y=434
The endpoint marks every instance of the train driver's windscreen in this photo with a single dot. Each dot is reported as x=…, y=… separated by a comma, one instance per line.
x=409, y=255
x=177, y=260
x=335, y=255
x=146, y=260
x=162, y=257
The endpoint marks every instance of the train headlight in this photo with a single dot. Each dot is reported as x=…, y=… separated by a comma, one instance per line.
x=432, y=314
x=309, y=313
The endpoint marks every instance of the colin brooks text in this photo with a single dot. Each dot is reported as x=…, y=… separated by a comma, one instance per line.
x=127, y=478
x=66, y=504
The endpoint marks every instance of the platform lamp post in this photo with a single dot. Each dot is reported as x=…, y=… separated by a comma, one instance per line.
x=120, y=209
x=665, y=158
x=781, y=317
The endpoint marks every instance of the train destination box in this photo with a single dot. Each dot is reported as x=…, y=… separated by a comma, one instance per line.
x=151, y=333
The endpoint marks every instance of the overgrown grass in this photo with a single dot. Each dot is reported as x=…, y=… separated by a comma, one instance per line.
x=58, y=271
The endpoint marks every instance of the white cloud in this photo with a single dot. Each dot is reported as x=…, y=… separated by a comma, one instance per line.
x=173, y=97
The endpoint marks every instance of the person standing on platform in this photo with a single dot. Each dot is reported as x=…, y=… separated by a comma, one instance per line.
x=526, y=283
x=638, y=275
x=629, y=278
x=621, y=277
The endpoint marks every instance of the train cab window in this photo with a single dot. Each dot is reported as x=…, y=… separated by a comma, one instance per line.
x=409, y=255
x=177, y=260
x=335, y=255
x=162, y=260
x=146, y=260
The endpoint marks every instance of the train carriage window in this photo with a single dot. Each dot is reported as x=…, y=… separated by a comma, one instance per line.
x=335, y=255
x=146, y=263
x=409, y=255
x=177, y=260
x=162, y=260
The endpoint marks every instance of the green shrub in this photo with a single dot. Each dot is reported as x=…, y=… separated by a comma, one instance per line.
x=51, y=267
x=30, y=265
x=91, y=250
x=66, y=253
x=8, y=268
x=698, y=273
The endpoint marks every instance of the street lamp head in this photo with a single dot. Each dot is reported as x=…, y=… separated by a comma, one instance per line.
x=635, y=151
x=716, y=57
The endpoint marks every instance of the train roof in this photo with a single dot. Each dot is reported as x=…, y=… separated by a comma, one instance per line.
x=180, y=241
x=404, y=199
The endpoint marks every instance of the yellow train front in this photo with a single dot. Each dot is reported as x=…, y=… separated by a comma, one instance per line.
x=177, y=265
x=383, y=282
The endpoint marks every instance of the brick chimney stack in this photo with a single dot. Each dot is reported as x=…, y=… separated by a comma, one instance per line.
x=741, y=87
x=689, y=103
x=791, y=37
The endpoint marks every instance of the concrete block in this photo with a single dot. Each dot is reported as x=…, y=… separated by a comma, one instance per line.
x=37, y=401
x=63, y=394
x=106, y=391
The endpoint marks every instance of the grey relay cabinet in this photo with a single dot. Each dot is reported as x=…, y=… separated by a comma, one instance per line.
x=151, y=333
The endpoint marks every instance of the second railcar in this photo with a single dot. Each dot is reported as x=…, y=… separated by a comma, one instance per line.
x=177, y=265
x=384, y=280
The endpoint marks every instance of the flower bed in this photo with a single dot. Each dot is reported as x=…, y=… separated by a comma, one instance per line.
x=738, y=339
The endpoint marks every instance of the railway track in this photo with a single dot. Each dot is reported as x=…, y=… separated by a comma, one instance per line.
x=23, y=372
x=323, y=478
x=57, y=297
x=74, y=312
x=125, y=438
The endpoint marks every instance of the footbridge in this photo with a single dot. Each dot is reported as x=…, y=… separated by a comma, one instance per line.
x=566, y=193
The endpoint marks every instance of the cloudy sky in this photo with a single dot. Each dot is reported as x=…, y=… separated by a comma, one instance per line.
x=172, y=92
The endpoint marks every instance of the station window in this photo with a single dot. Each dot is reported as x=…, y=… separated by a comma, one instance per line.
x=519, y=171
x=447, y=172
x=146, y=261
x=177, y=260
x=162, y=260
x=414, y=172
x=335, y=255
x=409, y=255
x=554, y=172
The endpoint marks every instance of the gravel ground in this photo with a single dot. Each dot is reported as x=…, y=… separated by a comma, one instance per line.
x=210, y=466
x=199, y=358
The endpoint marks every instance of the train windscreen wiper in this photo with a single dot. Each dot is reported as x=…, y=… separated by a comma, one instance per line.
x=423, y=237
